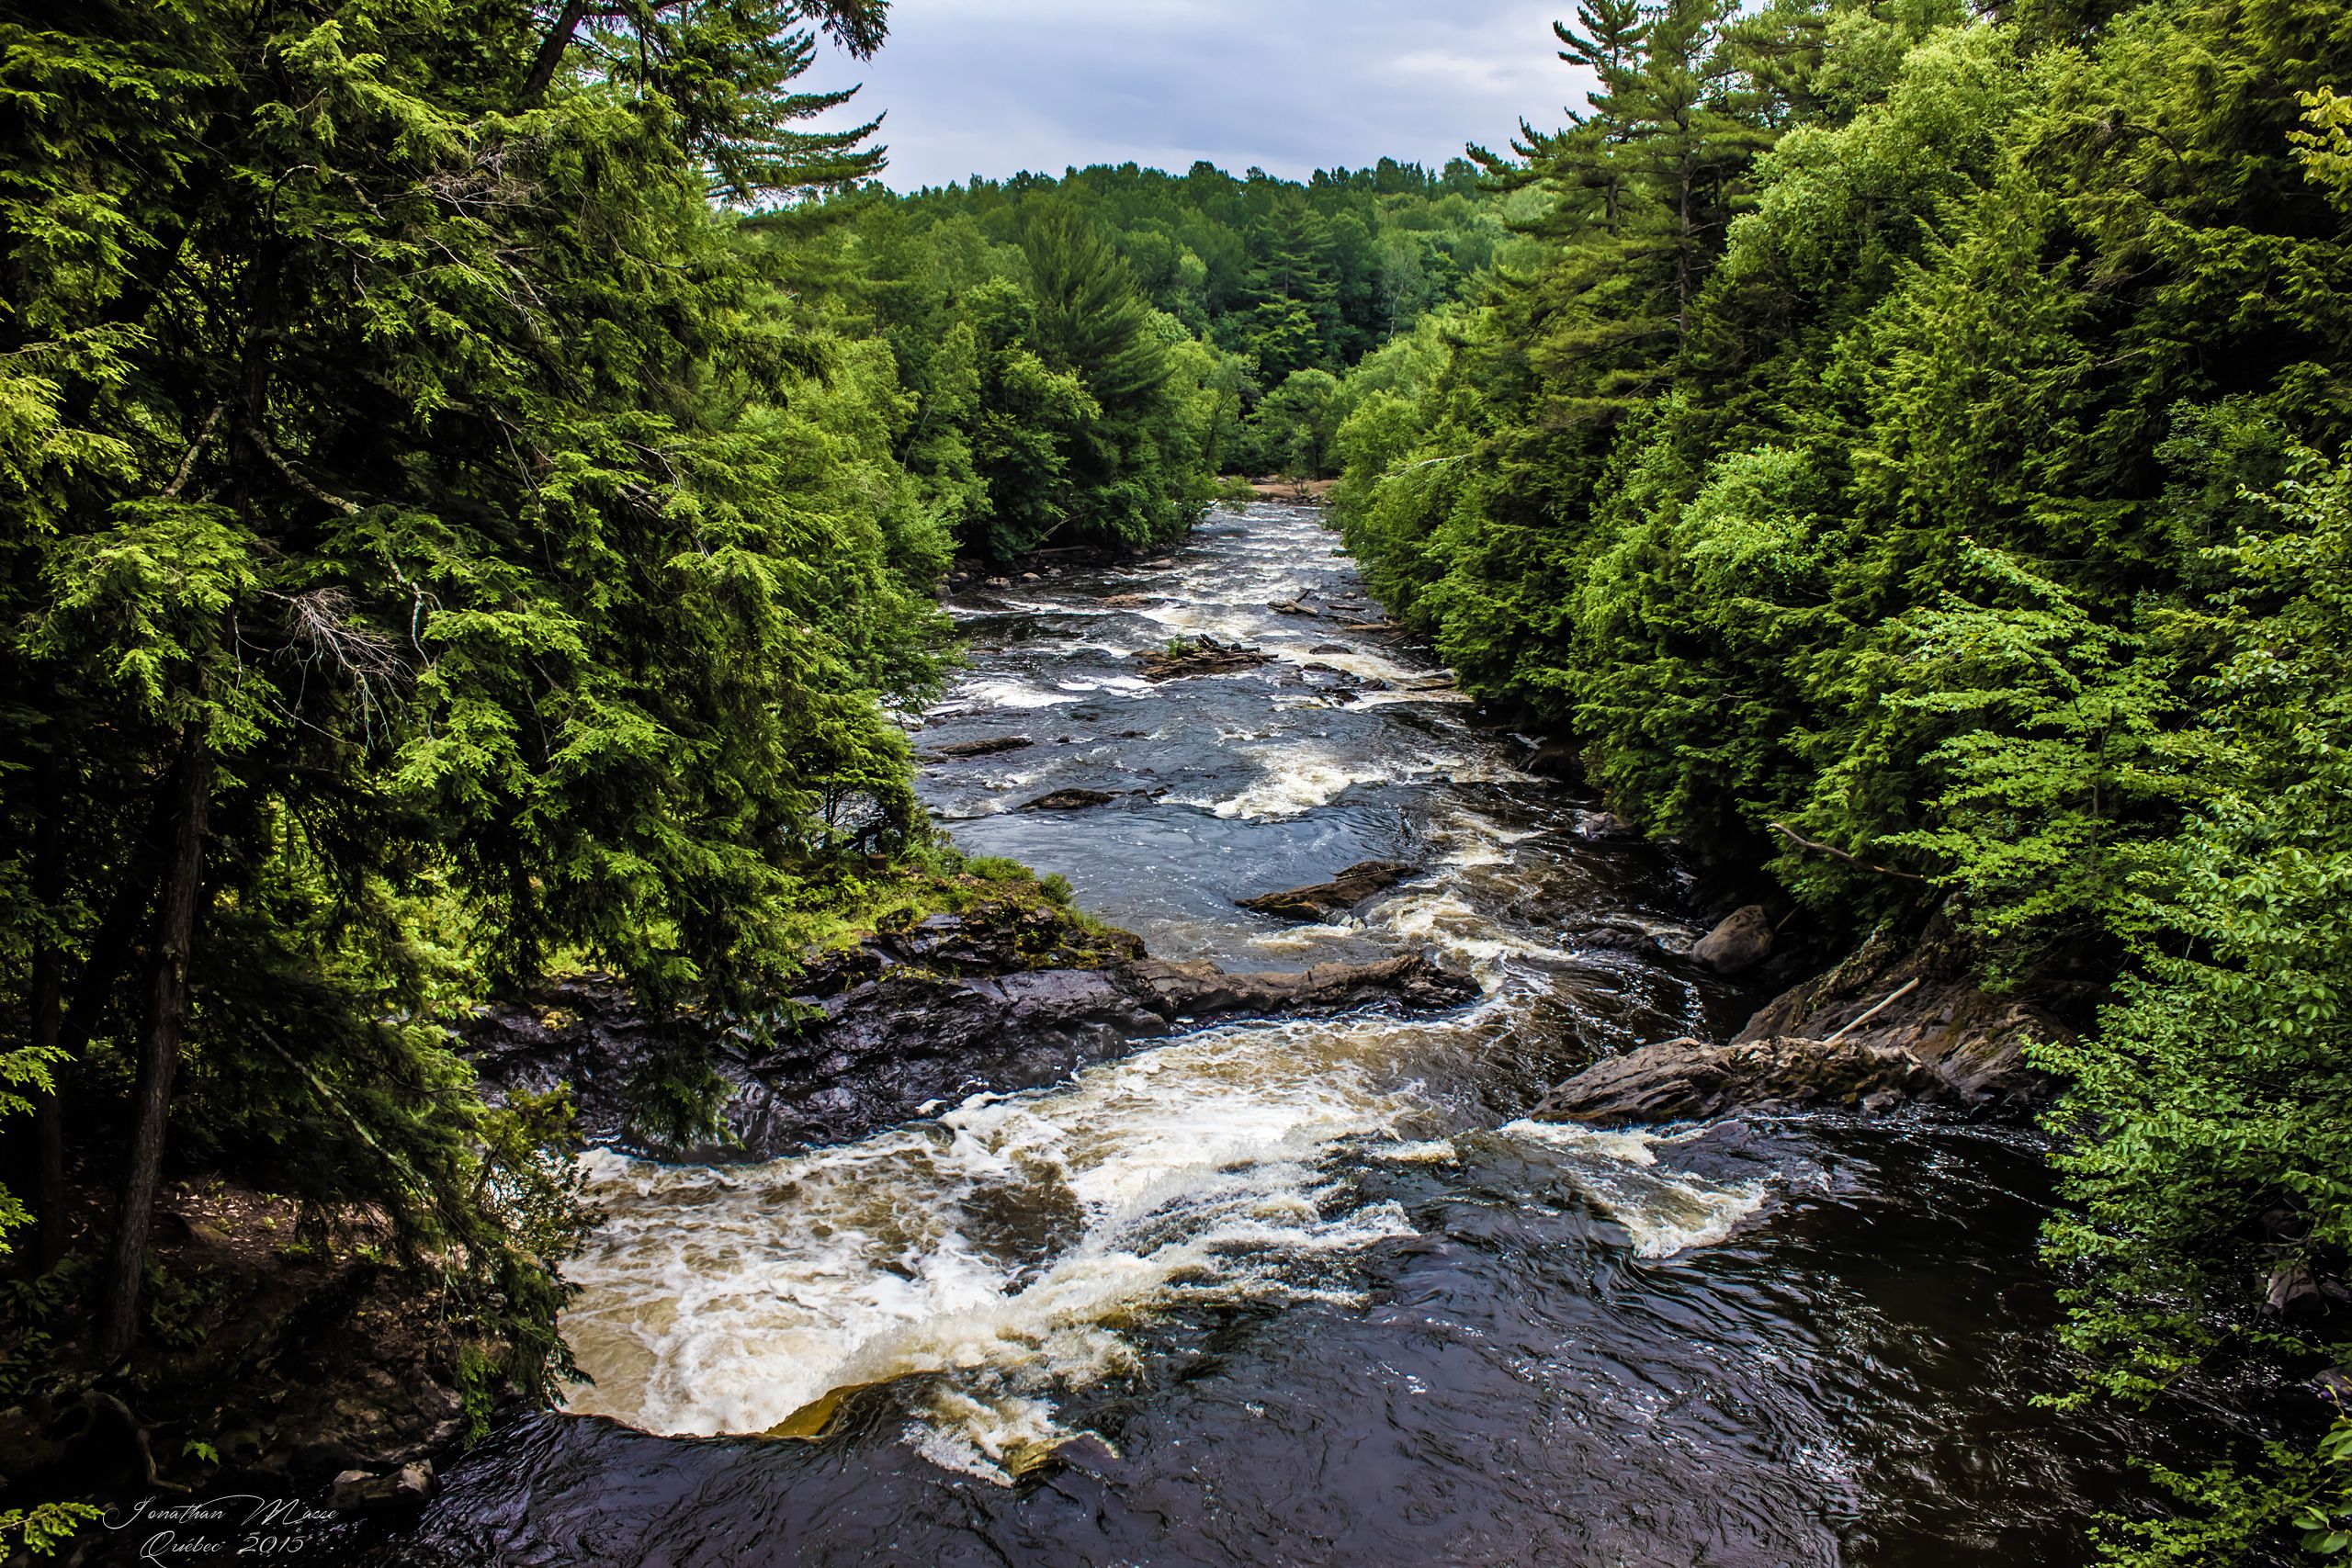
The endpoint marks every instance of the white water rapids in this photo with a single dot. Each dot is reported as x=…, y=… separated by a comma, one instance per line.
x=728, y=1299
x=1007, y=1251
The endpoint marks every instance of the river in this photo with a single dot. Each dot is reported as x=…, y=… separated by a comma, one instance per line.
x=1308, y=1293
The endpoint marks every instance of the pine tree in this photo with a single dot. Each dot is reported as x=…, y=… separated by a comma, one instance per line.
x=400, y=514
x=1293, y=316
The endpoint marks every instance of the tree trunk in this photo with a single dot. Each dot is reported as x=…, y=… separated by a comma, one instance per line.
x=159, y=1051
x=550, y=55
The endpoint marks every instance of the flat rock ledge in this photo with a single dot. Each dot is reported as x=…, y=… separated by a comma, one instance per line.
x=1321, y=900
x=901, y=1035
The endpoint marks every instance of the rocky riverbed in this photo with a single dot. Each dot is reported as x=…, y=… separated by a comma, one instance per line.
x=1217, y=1255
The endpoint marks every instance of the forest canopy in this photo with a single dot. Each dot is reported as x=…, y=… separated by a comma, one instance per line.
x=479, y=477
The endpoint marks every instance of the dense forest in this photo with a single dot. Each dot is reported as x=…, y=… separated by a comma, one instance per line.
x=1916, y=464
x=479, y=477
x=1086, y=356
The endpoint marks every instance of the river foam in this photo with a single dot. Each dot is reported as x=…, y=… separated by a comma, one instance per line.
x=1665, y=1211
x=1001, y=1248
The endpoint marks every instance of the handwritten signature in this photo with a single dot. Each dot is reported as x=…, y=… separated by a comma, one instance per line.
x=183, y=1532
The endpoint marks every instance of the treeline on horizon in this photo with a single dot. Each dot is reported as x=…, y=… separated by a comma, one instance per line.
x=1087, y=355
x=1915, y=465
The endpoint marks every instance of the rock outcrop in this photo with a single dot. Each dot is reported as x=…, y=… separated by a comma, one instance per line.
x=902, y=1025
x=1898, y=1023
x=1689, y=1080
x=1973, y=1040
x=1321, y=900
x=1070, y=800
x=994, y=745
x=1741, y=942
x=1203, y=656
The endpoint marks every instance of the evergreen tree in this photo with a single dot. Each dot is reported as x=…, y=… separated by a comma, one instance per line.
x=1293, y=316
x=407, y=514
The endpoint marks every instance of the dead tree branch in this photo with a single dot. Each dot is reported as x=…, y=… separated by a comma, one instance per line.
x=1833, y=850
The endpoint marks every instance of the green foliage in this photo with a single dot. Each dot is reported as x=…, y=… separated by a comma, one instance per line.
x=403, y=445
x=2061, y=763
x=43, y=1527
x=2206, y=1117
x=1085, y=355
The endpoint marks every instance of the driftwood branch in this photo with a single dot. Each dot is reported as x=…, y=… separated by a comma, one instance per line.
x=1848, y=857
x=261, y=445
x=1899, y=993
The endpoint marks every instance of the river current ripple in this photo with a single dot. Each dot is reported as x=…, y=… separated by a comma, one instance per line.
x=1306, y=1292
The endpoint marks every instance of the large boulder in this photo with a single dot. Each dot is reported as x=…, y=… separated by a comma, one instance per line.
x=1742, y=941
x=1689, y=1080
x=989, y=746
x=1070, y=800
x=1203, y=656
x=1321, y=900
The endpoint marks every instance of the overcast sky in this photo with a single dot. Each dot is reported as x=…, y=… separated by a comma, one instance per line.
x=996, y=86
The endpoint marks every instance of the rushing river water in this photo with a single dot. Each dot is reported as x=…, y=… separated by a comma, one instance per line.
x=1306, y=1293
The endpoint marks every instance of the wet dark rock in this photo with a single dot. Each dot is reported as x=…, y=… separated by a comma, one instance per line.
x=1321, y=900
x=2301, y=1292
x=903, y=1023
x=1973, y=1040
x=1203, y=656
x=1689, y=1080
x=1070, y=800
x=1329, y=648
x=1623, y=933
x=360, y=1490
x=1741, y=942
x=957, y=751
x=1556, y=760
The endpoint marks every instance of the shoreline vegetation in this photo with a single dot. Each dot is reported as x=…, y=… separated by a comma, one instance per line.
x=478, y=491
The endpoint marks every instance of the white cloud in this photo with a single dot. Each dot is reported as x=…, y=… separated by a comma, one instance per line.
x=995, y=86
